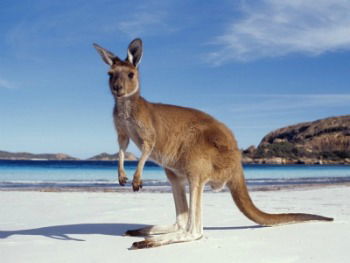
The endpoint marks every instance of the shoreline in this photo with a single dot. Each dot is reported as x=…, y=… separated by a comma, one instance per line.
x=167, y=189
x=275, y=161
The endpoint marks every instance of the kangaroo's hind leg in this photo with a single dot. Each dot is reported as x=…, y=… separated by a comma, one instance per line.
x=179, y=193
x=194, y=228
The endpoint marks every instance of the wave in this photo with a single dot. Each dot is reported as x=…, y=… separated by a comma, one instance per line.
x=153, y=185
x=303, y=180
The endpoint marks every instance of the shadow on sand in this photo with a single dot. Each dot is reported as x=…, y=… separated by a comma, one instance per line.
x=62, y=232
x=233, y=227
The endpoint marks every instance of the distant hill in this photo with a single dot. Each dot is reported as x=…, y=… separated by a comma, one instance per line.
x=112, y=157
x=61, y=156
x=30, y=156
x=318, y=142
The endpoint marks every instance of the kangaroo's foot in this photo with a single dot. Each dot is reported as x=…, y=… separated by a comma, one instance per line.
x=136, y=182
x=153, y=230
x=156, y=241
x=122, y=177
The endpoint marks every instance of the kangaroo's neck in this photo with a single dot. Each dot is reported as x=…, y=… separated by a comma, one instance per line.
x=128, y=107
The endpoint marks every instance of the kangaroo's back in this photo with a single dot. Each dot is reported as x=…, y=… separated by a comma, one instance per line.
x=183, y=133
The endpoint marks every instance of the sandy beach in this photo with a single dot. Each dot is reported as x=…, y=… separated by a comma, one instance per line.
x=89, y=226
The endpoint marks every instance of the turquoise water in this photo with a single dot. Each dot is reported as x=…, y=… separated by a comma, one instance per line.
x=71, y=171
x=295, y=171
x=82, y=173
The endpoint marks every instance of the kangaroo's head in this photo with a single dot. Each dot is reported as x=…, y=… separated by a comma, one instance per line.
x=123, y=74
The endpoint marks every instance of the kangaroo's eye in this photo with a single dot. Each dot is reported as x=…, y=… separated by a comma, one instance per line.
x=110, y=74
x=131, y=75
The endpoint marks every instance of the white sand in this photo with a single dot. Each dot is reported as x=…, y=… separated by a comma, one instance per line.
x=88, y=227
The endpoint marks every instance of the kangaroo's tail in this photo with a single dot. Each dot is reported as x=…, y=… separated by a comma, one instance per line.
x=242, y=199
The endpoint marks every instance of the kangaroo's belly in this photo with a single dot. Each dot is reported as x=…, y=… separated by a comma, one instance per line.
x=163, y=159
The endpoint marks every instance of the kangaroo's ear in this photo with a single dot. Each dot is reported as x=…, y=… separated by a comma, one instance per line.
x=135, y=52
x=106, y=55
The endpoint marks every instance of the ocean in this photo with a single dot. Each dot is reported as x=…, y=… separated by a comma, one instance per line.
x=102, y=175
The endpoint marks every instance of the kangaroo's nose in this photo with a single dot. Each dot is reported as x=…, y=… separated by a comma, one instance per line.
x=118, y=88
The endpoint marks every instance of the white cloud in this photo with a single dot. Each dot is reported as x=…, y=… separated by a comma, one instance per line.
x=261, y=106
x=289, y=103
x=143, y=22
x=271, y=28
x=6, y=84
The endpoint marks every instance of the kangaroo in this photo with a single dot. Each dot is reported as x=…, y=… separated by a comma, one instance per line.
x=193, y=147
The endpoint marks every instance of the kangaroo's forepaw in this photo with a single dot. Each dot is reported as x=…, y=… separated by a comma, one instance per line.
x=144, y=244
x=122, y=179
x=136, y=185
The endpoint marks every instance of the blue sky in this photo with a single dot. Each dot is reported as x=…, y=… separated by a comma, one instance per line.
x=254, y=65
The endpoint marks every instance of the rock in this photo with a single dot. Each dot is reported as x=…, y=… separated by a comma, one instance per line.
x=250, y=151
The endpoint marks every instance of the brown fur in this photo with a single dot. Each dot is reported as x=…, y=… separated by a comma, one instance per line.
x=192, y=146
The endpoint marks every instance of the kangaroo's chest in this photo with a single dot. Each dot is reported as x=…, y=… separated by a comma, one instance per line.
x=128, y=122
x=133, y=129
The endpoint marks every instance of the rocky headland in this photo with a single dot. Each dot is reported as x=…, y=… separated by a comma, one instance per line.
x=325, y=141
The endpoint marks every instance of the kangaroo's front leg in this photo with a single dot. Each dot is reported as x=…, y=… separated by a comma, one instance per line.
x=147, y=148
x=123, y=141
